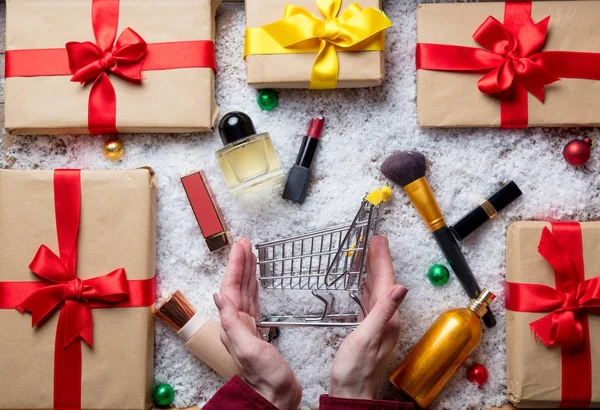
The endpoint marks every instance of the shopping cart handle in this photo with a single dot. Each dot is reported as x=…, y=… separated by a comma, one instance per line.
x=379, y=195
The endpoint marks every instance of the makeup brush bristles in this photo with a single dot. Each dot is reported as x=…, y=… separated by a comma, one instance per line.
x=404, y=167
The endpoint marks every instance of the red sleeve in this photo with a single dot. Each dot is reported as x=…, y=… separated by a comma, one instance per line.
x=237, y=395
x=334, y=403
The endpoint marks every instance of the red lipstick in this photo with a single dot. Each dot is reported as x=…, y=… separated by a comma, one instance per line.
x=299, y=176
x=207, y=212
x=316, y=127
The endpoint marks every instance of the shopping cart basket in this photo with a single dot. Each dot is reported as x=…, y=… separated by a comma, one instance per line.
x=323, y=261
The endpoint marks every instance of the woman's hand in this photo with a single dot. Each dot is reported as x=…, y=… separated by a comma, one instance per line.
x=360, y=363
x=261, y=365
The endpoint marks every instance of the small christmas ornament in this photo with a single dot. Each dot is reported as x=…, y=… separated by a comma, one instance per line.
x=476, y=373
x=267, y=99
x=114, y=149
x=438, y=275
x=577, y=152
x=163, y=395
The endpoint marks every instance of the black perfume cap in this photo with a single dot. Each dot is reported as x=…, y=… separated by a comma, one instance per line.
x=297, y=184
x=235, y=126
x=485, y=211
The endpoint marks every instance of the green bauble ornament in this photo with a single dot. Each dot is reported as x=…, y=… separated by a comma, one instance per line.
x=438, y=275
x=163, y=395
x=267, y=99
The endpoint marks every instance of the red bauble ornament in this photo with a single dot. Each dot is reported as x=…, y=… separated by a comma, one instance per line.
x=577, y=152
x=476, y=373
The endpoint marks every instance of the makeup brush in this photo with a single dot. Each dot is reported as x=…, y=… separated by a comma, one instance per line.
x=407, y=169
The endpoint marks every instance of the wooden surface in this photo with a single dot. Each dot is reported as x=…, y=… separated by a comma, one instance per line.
x=7, y=140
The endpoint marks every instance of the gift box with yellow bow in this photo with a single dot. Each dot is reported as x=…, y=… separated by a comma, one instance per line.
x=315, y=44
x=102, y=67
x=508, y=65
x=552, y=300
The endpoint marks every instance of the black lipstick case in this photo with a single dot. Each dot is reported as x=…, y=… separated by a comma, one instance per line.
x=487, y=210
x=297, y=184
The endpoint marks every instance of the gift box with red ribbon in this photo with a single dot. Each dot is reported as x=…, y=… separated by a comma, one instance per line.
x=508, y=65
x=108, y=66
x=77, y=288
x=552, y=297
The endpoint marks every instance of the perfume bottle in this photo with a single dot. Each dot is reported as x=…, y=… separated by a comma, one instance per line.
x=248, y=160
x=202, y=335
x=441, y=351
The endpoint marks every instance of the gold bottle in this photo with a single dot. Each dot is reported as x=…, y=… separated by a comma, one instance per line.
x=248, y=159
x=441, y=351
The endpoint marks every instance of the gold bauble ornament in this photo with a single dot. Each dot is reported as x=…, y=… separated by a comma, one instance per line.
x=114, y=149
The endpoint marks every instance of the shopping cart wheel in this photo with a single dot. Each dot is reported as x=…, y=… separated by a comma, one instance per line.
x=269, y=333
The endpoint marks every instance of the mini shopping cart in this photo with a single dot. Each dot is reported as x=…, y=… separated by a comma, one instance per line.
x=322, y=262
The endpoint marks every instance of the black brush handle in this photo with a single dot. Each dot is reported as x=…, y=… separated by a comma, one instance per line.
x=459, y=265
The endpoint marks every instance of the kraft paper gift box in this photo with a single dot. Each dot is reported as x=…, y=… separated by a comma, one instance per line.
x=116, y=244
x=356, y=68
x=550, y=294
x=448, y=97
x=173, y=93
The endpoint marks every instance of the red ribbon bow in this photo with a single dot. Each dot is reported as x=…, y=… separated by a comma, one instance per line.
x=513, y=58
x=71, y=295
x=566, y=324
x=562, y=326
x=89, y=61
x=512, y=61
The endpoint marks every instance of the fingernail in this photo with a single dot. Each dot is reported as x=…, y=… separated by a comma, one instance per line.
x=218, y=301
x=399, y=294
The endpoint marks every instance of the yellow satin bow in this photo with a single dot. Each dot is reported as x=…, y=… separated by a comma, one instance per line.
x=299, y=31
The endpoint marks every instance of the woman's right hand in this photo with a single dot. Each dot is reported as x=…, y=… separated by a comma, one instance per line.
x=261, y=365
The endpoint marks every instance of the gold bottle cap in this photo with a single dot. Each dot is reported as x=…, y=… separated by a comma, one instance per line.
x=480, y=304
x=176, y=311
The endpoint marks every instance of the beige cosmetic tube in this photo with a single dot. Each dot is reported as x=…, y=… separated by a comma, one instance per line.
x=202, y=335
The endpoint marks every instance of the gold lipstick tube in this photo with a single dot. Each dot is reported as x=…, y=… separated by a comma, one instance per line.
x=202, y=335
x=424, y=201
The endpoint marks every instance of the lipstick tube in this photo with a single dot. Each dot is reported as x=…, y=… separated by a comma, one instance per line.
x=486, y=210
x=202, y=335
x=207, y=212
x=299, y=176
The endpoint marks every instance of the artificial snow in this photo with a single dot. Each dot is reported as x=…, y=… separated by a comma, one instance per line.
x=363, y=126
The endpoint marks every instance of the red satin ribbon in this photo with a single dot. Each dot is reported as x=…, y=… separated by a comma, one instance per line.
x=568, y=304
x=512, y=61
x=91, y=62
x=61, y=289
